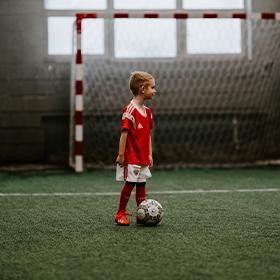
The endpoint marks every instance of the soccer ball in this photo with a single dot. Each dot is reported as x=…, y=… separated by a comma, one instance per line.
x=149, y=212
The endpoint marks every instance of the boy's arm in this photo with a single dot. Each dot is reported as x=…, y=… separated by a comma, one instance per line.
x=151, y=153
x=120, y=159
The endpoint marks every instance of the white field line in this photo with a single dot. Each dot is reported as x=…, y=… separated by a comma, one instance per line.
x=152, y=192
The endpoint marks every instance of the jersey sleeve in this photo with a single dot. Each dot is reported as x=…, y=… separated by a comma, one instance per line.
x=128, y=120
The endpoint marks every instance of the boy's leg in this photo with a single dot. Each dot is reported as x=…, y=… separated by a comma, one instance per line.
x=140, y=196
x=140, y=192
x=125, y=195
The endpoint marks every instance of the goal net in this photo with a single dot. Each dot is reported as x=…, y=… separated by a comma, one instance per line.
x=215, y=105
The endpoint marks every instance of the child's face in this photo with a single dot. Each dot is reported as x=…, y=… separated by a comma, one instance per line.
x=149, y=90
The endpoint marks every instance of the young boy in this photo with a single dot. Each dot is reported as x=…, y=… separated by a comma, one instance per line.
x=135, y=146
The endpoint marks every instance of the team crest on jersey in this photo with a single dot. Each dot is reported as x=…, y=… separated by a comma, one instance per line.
x=136, y=172
x=140, y=126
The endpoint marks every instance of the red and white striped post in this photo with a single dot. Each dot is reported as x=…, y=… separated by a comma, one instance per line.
x=178, y=15
x=79, y=137
x=79, y=102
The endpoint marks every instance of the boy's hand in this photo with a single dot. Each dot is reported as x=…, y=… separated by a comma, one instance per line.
x=120, y=160
x=151, y=161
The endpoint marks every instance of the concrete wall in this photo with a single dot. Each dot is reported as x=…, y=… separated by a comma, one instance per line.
x=34, y=97
x=34, y=88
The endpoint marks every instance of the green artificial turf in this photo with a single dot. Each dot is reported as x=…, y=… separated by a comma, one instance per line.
x=202, y=235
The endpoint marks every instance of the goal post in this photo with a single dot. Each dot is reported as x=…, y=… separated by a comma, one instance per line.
x=211, y=109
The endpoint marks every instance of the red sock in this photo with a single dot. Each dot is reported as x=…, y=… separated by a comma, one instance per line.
x=140, y=193
x=125, y=195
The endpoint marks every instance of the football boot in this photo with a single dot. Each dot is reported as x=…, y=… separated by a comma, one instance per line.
x=139, y=222
x=121, y=218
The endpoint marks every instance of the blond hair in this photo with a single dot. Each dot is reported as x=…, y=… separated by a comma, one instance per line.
x=138, y=79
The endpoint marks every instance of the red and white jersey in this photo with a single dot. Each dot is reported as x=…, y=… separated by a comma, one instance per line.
x=139, y=124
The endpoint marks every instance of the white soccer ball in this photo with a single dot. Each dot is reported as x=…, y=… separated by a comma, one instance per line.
x=150, y=212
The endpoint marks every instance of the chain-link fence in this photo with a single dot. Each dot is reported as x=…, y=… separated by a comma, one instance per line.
x=209, y=109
